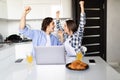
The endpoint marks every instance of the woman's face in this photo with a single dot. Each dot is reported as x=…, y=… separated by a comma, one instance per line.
x=51, y=27
x=66, y=30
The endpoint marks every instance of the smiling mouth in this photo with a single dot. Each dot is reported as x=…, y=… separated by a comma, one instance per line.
x=53, y=28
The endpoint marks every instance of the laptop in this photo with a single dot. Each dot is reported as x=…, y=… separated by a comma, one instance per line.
x=49, y=55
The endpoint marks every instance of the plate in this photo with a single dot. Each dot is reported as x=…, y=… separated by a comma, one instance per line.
x=77, y=69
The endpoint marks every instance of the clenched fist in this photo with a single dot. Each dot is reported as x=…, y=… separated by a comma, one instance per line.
x=27, y=9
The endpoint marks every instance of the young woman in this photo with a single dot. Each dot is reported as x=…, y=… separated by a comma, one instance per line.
x=75, y=34
x=39, y=37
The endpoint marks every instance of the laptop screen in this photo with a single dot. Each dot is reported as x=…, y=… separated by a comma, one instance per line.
x=50, y=55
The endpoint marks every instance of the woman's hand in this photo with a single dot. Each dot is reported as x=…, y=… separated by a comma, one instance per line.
x=60, y=35
x=81, y=2
x=82, y=6
x=57, y=15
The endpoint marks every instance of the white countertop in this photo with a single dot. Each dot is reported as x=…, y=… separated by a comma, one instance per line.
x=25, y=71
x=7, y=45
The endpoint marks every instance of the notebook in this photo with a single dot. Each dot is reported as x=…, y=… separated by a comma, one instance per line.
x=49, y=55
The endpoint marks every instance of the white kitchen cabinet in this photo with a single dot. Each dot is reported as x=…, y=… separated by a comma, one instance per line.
x=66, y=8
x=22, y=49
x=14, y=8
x=40, y=8
x=7, y=56
x=42, y=1
x=3, y=9
x=48, y=8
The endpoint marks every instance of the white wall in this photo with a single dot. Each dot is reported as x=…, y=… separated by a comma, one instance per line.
x=13, y=25
x=113, y=31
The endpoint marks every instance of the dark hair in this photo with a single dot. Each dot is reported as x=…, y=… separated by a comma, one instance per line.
x=71, y=25
x=46, y=22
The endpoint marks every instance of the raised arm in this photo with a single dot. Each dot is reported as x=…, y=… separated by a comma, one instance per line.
x=58, y=15
x=58, y=24
x=23, y=18
x=82, y=19
x=81, y=3
x=59, y=27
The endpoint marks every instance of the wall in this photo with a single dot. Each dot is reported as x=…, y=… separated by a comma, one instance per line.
x=13, y=25
x=113, y=31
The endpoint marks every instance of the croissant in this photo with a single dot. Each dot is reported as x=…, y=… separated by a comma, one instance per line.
x=78, y=65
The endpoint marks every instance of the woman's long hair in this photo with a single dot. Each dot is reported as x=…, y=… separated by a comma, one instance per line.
x=71, y=25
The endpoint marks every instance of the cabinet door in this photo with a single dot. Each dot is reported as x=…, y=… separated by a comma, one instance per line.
x=14, y=8
x=41, y=2
x=40, y=8
x=47, y=8
x=3, y=9
x=66, y=8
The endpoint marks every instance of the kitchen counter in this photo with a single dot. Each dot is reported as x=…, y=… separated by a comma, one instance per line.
x=24, y=71
x=19, y=49
x=4, y=45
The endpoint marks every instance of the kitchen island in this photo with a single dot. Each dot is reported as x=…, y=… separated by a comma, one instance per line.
x=24, y=71
x=10, y=51
x=19, y=50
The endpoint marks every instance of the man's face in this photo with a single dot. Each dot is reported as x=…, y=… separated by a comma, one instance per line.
x=51, y=26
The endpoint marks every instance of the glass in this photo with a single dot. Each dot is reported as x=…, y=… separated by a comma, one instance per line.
x=29, y=58
x=79, y=56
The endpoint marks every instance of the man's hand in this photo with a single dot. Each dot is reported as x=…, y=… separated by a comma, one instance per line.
x=27, y=9
x=23, y=18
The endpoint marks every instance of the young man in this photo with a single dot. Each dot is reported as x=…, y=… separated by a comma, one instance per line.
x=39, y=37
